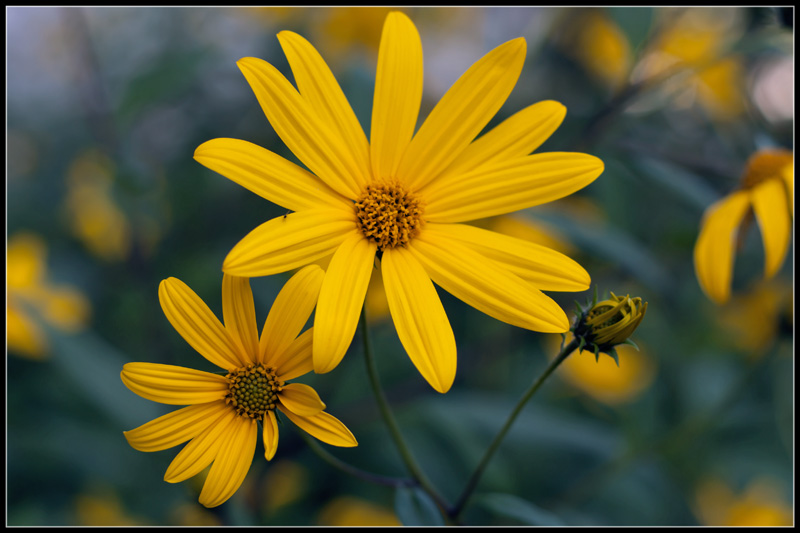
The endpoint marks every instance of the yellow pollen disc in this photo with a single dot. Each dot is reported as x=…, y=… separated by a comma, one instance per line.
x=764, y=165
x=389, y=215
x=253, y=390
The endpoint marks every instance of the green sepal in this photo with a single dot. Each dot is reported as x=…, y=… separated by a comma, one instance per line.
x=581, y=344
x=628, y=341
x=596, y=353
x=613, y=353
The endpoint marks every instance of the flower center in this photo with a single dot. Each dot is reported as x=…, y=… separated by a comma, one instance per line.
x=253, y=390
x=389, y=215
x=765, y=165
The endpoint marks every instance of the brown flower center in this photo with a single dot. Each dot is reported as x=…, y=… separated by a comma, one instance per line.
x=253, y=390
x=389, y=215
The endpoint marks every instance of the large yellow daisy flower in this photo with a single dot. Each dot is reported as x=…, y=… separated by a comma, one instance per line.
x=221, y=420
x=767, y=190
x=402, y=197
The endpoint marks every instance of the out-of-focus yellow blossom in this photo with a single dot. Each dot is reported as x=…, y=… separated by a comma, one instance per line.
x=603, y=379
x=601, y=47
x=94, y=217
x=354, y=512
x=293, y=480
x=95, y=510
x=760, y=505
x=695, y=41
x=31, y=297
x=767, y=191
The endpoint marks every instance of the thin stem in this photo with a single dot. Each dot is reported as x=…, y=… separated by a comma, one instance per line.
x=352, y=470
x=388, y=417
x=476, y=475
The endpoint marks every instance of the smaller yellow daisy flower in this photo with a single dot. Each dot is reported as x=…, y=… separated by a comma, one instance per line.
x=767, y=190
x=221, y=420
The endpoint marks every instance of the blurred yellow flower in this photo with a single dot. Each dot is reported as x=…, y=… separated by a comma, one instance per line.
x=347, y=511
x=95, y=510
x=291, y=477
x=402, y=197
x=601, y=47
x=760, y=505
x=32, y=297
x=767, y=191
x=221, y=420
x=94, y=216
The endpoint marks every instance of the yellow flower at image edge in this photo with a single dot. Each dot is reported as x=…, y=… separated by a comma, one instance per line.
x=221, y=420
x=401, y=197
x=767, y=189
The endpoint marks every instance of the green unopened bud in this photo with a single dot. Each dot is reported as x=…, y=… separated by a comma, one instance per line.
x=602, y=325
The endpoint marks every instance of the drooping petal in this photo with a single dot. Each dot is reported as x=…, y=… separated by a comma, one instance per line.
x=787, y=174
x=301, y=399
x=462, y=113
x=398, y=93
x=290, y=312
x=319, y=88
x=239, y=314
x=296, y=360
x=771, y=210
x=267, y=174
x=297, y=124
x=270, y=435
x=478, y=282
x=508, y=186
x=201, y=450
x=714, y=249
x=174, y=428
x=517, y=136
x=545, y=268
x=324, y=427
x=420, y=318
x=173, y=385
x=288, y=242
x=232, y=462
x=197, y=324
x=340, y=300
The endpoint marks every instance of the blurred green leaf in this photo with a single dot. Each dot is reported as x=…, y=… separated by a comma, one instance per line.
x=517, y=508
x=415, y=508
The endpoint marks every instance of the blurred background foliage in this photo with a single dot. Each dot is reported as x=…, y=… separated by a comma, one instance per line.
x=105, y=107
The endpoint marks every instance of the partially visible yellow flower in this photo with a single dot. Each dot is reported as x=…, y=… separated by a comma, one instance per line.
x=347, y=511
x=766, y=190
x=402, y=197
x=291, y=477
x=601, y=47
x=94, y=216
x=32, y=297
x=104, y=509
x=221, y=422
x=760, y=505
x=606, y=381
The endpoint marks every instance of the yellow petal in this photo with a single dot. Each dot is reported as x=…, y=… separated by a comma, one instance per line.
x=714, y=249
x=419, y=317
x=340, y=300
x=462, y=113
x=290, y=312
x=175, y=428
x=478, y=282
x=301, y=399
x=319, y=88
x=173, y=385
x=324, y=427
x=296, y=360
x=788, y=178
x=290, y=241
x=239, y=314
x=267, y=174
x=201, y=450
x=297, y=124
x=398, y=93
x=770, y=207
x=232, y=462
x=517, y=136
x=508, y=186
x=23, y=334
x=544, y=267
x=270, y=435
x=195, y=322
x=26, y=261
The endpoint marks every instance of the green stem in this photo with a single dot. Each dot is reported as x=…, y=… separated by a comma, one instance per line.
x=388, y=417
x=476, y=476
x=352, y=470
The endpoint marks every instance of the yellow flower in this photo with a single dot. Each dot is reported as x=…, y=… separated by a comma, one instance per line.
x=760, y=505
x=402, y=197
x=599, y=44
x=32, y=297
x=221, y=420
x=767, y=190
x=347, y=511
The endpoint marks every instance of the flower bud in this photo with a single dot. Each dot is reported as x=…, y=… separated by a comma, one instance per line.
x=603, y=325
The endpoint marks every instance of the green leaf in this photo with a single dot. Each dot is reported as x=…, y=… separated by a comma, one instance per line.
x=415, y=508
x=515, y=507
